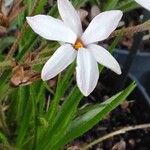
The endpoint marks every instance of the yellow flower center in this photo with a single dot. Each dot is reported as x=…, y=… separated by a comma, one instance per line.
x=78, y=44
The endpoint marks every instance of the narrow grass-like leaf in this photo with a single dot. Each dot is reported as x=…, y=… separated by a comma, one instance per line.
x=62, y=86
x=35, y=113
x=79, y=3
x=4, y=85
x=24, y=49
x=62, y=120
x=110, y=4
x=5, y=42
x=21, y=103
x=40, y=6
x=29, y=4
x=41, y=98
x=3, y=139
x=127, y=5
x=83, y=123
x=25, y=119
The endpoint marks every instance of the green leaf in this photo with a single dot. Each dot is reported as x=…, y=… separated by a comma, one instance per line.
x=79, y=3
x=32, y=39
x=62, y=120
x=110, y=4
x=62, y=86
x=6, y=42
x=127, y=5
x=21, y=102
x=85, y=122
x=41, y=98
x=35, y=112
x=29, y=4
x=4, y=85
x=26, y=113
x=3, y=139
x=40, y=6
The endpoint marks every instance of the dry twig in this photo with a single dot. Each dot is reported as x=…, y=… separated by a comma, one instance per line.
x=112, y=134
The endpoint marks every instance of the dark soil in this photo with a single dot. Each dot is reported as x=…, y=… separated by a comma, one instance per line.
x=133, y=111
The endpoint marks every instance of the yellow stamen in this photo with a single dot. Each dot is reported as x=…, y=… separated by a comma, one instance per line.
x=78, y=44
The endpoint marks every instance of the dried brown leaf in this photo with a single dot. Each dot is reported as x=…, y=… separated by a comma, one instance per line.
x=2, y=31
x=4, y=21
x=9, y=13
x=16, y=9
x=23, y=75
x=31, y=57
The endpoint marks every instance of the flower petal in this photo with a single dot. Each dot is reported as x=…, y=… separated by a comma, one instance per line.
x=87, y=71
x=63, y=57
x=70, y=16
x=51, y=28
x=104, y=58
x=101, y=26
x=144, y=3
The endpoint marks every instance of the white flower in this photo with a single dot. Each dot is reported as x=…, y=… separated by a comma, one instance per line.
x=77, y=44
x=144, y=3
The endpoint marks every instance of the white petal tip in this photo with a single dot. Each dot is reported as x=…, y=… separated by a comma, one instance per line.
x=43, y=77
x=29, y=20
x=121, y=13
x=85, y=93
x=118, y=70
x=118, y=11
x=44, y=74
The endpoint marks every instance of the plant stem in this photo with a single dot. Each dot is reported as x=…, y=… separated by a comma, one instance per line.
x=135, y=29
x=112, y=134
